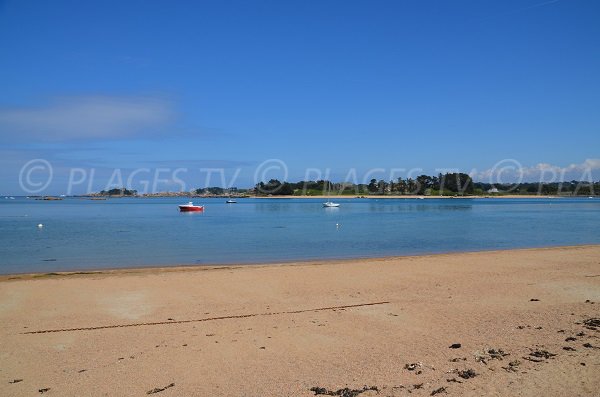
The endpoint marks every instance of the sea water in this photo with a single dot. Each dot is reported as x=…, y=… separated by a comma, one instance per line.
x=81, y=234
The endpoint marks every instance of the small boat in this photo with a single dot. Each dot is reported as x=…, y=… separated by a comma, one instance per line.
x=231, y=201
x=190, y=207
x=329, y=203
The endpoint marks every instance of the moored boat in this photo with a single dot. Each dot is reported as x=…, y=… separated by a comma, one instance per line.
x=329, y=203
x=190, y=207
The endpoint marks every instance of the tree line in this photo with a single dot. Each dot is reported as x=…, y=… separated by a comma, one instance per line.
x=449, y=184
x=118, y=192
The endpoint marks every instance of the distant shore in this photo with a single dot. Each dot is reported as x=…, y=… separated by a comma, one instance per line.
x=334, y=196
x=507, y=323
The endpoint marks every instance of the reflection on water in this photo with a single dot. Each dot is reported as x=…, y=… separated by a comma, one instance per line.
x=133, y=232
x=407, y=207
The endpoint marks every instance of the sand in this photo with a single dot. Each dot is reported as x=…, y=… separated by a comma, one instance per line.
x=385, y=325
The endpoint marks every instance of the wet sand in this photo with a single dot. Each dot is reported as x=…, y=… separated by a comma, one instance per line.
x=524, y=320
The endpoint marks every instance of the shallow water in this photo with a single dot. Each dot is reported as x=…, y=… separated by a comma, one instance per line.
x=128, y=232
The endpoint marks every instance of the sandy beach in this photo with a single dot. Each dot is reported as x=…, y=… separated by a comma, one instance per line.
x=501, y=323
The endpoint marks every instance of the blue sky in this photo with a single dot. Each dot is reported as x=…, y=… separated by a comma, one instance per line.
x=333, y=86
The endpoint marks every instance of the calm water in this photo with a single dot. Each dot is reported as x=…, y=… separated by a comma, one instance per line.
x=84, y=234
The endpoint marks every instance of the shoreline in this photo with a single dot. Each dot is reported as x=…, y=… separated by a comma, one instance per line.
x=320, y=196
x=333, y=196
x=507, y=323
x=182, y=267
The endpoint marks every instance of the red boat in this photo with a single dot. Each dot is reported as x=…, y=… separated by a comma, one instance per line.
x=190, y=207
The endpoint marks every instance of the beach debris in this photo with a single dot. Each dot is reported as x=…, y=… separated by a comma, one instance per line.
x=345, y=392
x=417, y=385
x=590, y=346
x=582, y=364
x=569, y=348
x=415, y=366
x=570, y=339
x=437, y=391
x=81, y=370
x=490, y=354
x=589, y=301
x=412, y=366
x=535, y=360
x=159, y=389
x=592, y=323
x=513, y=366
x=44, y=390
x=581, y=334
x=538, y=356
x=467, y=374
x=457, y=359
x=534, y=300
x=542, y=353
x=453, y=380
x=15, y=381
x=497, y=354
x=455, y=346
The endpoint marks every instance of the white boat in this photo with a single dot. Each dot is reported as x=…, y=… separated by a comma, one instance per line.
x=231, y=201
x=329, y=203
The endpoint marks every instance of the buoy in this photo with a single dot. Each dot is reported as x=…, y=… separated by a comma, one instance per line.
x=40, y=225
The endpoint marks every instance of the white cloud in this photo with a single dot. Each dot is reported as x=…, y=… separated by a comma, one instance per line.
x=85, y=118
x=510, y=170
x=548, y=169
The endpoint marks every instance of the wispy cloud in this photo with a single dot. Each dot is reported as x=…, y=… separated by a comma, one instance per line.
x=587, y=165
x=511, y=170
x=85, y=118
